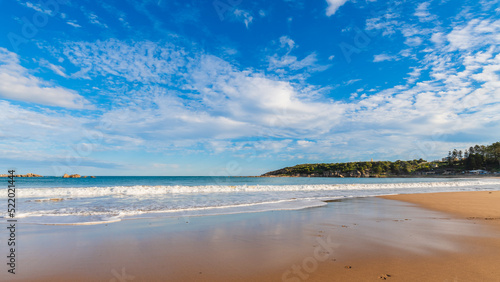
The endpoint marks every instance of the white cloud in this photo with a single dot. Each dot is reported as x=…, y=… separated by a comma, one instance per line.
x=476, y=33
x=352, y=81
x=227, y=105
x=285, y=64
x=459, y=98
x=19, y=123
x=124, y=21
x=38, y=8
x=17, y=84
x=383, y=57
x=196, y=102
x=45, y=139
x=73, y=24
x=423, y=14
x=244, y=16
x=137, y=62
x=224, y=103
x=286, y=41
x=59, y=70
x=413, y=41
x=165, y=166
x=305, y=143
x=256, y=99
x=438, y=38
x=386, y=22
x=37, y=135
x=333, y=6
x=94, y=19
x=291, y=62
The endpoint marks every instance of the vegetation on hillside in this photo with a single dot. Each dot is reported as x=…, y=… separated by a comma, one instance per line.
x=477, y=157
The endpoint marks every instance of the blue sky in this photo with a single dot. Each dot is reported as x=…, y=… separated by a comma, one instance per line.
x=238, y=87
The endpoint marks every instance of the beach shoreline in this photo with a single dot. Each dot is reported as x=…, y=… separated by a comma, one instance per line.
x=482, y=176
x=471, y=205
x=397, y=237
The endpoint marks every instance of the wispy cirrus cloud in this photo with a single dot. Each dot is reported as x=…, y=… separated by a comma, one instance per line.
x=222, y=101
x=229, y=99
x=229, y=104
x=73, y=24
x=37, y=7
x=39, y=135
x=17, y=84
x=439, y=77
x=422, y=12
x=383, y=57
x=284, y=64
x=141, y=61
x=59, y=70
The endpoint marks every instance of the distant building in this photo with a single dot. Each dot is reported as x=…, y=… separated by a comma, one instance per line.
x=478, y=171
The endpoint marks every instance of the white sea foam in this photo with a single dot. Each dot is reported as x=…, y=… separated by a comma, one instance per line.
x=46, y=193
x=94, y=205
x=91, y=218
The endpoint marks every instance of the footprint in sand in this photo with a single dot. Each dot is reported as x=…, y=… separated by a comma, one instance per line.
x=384, y=277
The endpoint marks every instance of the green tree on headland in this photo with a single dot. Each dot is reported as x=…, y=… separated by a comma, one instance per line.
x=481, y=157
x=457, y=161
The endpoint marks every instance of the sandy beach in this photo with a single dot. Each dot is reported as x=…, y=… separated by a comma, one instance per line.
x=249, y=141
x=419, y=237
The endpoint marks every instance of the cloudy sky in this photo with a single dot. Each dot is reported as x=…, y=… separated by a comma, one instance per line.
x=239, y=87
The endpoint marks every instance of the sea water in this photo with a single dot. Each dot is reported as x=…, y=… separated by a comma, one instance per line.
x=56, y=200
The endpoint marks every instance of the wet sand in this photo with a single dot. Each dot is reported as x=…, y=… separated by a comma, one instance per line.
x=479, y=205
x=362, y=239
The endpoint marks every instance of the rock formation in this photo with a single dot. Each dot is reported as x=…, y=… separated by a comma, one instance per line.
x=72, y=176
x=22, y=175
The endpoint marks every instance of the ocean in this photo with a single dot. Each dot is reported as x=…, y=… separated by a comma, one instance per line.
x=105, y=199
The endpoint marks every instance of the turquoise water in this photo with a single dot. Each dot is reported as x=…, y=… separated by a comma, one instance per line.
x=109, y=181
x=56, y=200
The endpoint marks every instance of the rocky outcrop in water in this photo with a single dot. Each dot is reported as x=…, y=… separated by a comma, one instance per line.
x=22, y=175
x=72, y=176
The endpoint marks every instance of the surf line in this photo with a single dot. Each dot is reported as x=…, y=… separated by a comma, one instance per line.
x=11, y=214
